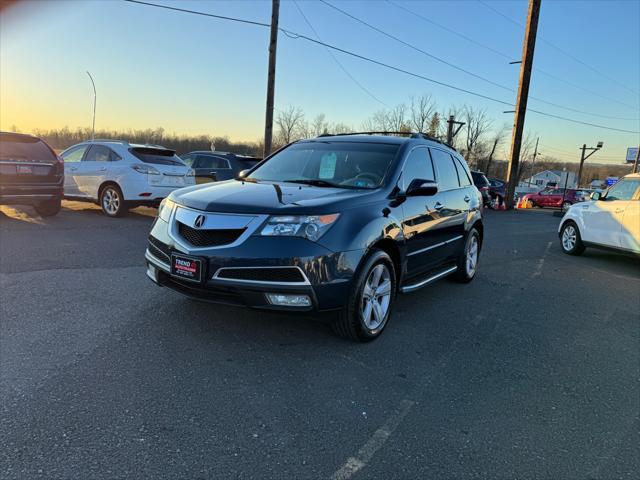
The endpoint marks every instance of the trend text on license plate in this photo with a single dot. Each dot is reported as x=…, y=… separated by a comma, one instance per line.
x=187, y=268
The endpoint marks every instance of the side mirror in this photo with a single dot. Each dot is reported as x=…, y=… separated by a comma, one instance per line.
x=243, y=173
x=422, y=188
x=595, y=196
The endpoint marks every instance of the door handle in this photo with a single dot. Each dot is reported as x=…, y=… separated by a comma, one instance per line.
x=438, y=206
x=467, y=198
x=73, y=169
x=103, y=169
x=619, y=210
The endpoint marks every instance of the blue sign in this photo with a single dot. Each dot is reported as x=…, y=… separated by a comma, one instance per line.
x=611, y=181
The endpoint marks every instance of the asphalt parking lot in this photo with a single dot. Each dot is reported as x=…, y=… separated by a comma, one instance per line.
x=530, y=371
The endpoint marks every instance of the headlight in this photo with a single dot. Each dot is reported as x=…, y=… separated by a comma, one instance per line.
x=311, y=227
x=165, y=209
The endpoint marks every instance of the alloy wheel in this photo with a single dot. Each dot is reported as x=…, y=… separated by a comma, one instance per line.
x=569, y=238
x=376, y=297
x=111, y=201
x=472, y=256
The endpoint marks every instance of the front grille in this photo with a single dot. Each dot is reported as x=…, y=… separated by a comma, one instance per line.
x=286, y=275
x=208, y=238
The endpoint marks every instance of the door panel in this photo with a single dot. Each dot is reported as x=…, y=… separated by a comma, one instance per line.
x=603, y=222
x=72, y=160
x=630, y=233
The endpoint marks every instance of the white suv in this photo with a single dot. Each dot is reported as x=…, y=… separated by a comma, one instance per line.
x=118, y=175
x=609, y=220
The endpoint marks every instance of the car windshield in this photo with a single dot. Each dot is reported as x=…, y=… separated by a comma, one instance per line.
x=158, y=156
x=329, y=164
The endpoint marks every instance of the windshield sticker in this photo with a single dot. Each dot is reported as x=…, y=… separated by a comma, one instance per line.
x=328, y=165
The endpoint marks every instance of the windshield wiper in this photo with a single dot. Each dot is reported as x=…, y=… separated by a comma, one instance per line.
x=316, y=182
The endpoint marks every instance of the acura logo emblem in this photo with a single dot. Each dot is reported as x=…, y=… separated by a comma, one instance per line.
x=199, y=221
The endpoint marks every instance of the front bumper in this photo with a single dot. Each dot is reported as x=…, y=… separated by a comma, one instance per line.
x=327, y=275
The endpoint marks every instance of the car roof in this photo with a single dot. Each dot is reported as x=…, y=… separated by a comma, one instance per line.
x=632, y=175
x=19, y=134
x=392, y=138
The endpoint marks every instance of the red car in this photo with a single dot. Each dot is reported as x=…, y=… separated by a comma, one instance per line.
x=555, y=198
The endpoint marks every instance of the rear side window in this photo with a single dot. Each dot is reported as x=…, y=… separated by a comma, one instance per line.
x=100, y=153
x=447, y=173
x=417, y=165
x=74, y=154
x=208, y=161
x=157, y=156
x=463, y=176
x=187, y=159
x=23, y=147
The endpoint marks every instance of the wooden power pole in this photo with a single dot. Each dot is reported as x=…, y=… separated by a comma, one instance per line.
x=271, y=78
x=523, y=94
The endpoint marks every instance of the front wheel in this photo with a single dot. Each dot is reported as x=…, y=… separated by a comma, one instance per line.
x=49, y=208
x=112, y=201
x=570, y=239
x=468, y=260
x=369, y=305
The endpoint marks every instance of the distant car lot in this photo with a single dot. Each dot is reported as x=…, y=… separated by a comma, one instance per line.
x=104, y=375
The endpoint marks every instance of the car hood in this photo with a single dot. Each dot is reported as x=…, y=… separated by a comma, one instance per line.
x=235, y=196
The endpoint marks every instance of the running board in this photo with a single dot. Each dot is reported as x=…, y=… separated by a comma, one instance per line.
x=427, y=281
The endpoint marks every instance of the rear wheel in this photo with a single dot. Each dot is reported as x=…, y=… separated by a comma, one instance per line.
x=369, y=305
x=112, y=201
x=49, y=208
x=468, y=260
x=570, y=239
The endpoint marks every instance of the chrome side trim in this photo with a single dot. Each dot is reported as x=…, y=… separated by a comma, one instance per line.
x=260, y=282
x=427, y=281
x=157, y=262
x=431, y=247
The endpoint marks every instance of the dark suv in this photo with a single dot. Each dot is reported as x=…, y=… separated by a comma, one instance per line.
x=30, y=173
x=337, y=223
x=212, y=166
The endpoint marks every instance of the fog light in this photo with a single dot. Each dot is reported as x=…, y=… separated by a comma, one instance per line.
x=289, y=300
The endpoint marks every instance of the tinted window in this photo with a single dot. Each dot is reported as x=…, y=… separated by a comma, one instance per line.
x=208, y=161
x=417, y=165
x=100, y=153
x=623, y=190
x=187, y=159
x=74, y=154
x=158, y=156
x=343, y=164
x=479, y=180
x=23, y=147
x=463, y=176
x=447, y=173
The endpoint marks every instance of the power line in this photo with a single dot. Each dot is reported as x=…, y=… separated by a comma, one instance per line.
x=510, y=57
x=296, y=36
x=564, y=52
x=335, y=59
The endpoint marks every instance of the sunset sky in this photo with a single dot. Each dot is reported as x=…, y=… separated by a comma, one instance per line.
x=198, y=75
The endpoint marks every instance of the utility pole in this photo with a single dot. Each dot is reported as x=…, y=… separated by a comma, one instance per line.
x=583, y=157
x=271, y=78
x=635, y=163
x=528, y=48
x=450, y=133
x=93, y=128
x=533, y=162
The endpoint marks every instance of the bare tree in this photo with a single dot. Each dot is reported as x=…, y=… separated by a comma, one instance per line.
x=477, y=124
x=495, y=142
x=421, y=113
x=289, y=122
x=526, y=152
x=378, y=122
x=435, y=125
x=398, y=119
x=319, y=125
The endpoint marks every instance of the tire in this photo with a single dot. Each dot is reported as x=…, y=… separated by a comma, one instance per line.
x=565, y=206
x=467, y=262
x=111, y=201
x=570, y=239
x=49, y=208
x=353, y=323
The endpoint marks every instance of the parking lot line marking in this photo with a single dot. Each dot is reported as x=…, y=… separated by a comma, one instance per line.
x=538, y=271
x=379, y=437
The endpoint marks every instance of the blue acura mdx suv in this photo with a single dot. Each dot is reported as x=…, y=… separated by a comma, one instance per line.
x=338, y=223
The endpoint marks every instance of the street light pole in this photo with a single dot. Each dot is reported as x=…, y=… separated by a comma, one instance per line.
x=93, y=127
x=583, y=157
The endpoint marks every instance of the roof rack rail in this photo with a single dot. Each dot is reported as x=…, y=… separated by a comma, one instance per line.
x=422, y=135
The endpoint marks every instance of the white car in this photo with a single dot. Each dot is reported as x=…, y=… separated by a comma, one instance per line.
x=118, y=175
x=609, y=220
